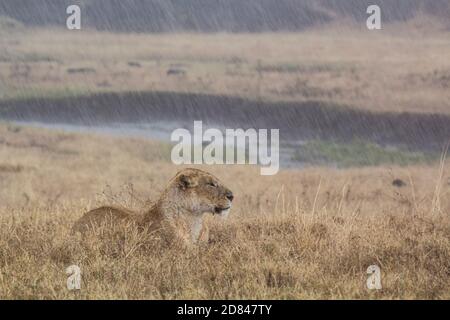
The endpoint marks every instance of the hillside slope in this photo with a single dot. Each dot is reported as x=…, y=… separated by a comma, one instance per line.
x=215, y=15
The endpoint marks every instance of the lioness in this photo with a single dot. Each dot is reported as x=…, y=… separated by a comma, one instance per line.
x=177, y=213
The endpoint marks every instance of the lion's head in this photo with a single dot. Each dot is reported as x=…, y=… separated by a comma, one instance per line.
x=201, y=192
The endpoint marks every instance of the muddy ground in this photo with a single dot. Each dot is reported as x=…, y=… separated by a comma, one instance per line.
x=296, y=121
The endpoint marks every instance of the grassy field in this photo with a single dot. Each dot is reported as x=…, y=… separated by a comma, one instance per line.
x=357, y=153
x=389, y=70
x=300, y=234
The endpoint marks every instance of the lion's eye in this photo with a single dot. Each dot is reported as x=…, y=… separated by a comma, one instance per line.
x=212, y=184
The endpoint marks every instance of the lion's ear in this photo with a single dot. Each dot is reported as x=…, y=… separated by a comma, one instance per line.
x=186, y=181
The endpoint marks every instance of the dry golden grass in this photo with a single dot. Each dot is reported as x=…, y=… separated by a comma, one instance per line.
x=388, y=70
x=300, y=234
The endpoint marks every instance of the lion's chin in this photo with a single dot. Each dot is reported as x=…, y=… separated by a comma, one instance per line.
x=222, y=212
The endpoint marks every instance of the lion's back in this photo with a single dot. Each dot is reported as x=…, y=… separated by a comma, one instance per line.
x=103, y=215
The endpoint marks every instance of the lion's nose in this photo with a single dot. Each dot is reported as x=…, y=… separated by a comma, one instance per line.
x=230, y=196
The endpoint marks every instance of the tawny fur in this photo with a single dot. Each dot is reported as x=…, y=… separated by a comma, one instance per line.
x=177, y=214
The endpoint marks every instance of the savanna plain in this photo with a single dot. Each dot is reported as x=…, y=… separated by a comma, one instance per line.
x=299, y=234
x=306, y=233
